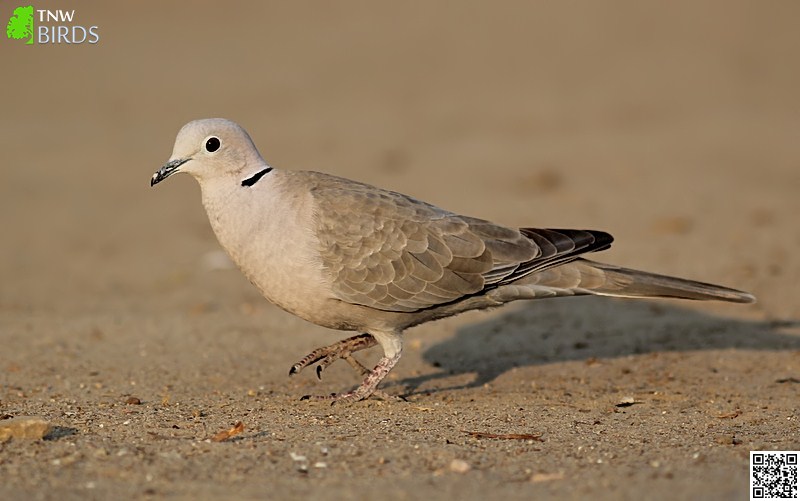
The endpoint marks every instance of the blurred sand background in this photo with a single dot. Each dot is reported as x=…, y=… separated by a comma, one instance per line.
x=672, y=125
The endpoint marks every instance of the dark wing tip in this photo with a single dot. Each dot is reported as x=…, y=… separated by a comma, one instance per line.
x=584, y=240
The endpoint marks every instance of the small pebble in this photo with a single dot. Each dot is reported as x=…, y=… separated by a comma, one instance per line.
x=459, y=466
x=25, y=427
x=546, y=477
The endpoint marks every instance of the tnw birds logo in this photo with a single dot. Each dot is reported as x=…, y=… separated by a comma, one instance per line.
x=20, y=25
x=43, y=26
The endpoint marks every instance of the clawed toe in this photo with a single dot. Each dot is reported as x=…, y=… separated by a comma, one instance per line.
x=367, y=388
x=347, y=357
x=347, y=398
x=353, y=397
x=344, y=349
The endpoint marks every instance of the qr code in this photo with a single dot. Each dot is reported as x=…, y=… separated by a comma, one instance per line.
x=773, y=474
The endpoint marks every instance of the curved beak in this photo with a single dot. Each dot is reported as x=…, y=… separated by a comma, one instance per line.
x=167, y=170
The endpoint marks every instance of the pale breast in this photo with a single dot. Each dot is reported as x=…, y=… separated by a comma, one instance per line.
x=265, y=230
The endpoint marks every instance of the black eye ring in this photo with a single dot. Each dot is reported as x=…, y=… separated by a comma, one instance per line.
x=212, y=144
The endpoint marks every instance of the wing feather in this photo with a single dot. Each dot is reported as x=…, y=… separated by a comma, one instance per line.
x=388, y=251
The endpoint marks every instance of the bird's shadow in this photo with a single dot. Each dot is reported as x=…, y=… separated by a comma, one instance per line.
x=558, y=330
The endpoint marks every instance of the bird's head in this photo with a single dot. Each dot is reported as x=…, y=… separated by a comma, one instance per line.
x=209, y=148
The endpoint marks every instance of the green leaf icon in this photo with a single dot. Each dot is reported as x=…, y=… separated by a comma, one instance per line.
x=20, y=25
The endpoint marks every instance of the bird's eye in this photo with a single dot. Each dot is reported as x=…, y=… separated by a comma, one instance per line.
x=212, y=144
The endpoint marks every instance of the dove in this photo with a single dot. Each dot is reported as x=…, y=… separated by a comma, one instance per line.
x=353, y=257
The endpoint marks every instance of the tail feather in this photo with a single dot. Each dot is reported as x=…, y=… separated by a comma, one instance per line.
x=609, y=280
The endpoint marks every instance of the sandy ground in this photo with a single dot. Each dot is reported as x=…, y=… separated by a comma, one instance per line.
x=674, y=127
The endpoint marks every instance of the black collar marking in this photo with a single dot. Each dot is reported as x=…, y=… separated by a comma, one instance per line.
x=250, y=181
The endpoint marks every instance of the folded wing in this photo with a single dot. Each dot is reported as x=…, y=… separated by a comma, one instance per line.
x=388, y=251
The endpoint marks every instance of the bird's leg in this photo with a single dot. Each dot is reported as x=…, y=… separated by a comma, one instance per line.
x=392, y=344
x=344, y=349
x=367, y=387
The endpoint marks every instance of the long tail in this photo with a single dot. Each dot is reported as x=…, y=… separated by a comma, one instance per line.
x=582, y=276
x=625, y=282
